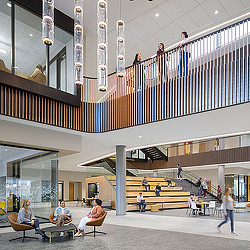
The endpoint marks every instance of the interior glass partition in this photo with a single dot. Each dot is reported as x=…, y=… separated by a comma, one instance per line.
x=27, y=174
x=5, y=36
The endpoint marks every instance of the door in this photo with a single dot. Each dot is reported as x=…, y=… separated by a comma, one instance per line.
x=92, y=189
x=71, y=191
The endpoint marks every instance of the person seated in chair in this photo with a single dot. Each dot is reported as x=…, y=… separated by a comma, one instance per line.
x=168, y=180
x=158, y=189
x=145, y=184
x=38, y=70
x=26, y=216
x=61, y=214
x=94, y=214
x=141, y=202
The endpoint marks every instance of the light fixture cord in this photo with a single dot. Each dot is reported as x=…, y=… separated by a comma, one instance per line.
x=120, y=9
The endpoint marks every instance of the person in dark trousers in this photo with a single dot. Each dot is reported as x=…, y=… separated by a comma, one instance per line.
x=27, y=217
x=228, y=207
x=204, y=187
x=141, y=202
x=199, y=187
x=179, y=169
x=168, y=180
x=145, y=184
x=158, y=189
x=219, y=193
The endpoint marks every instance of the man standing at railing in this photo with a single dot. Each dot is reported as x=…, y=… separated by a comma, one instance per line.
x=179, y=169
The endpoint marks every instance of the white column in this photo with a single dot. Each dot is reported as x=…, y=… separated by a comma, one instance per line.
x=121, y=203
x=221, y=177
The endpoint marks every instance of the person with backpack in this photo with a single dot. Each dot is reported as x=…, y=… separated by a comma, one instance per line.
x=199, y=186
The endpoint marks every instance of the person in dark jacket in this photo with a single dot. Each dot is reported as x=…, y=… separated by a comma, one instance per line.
x=158, y=189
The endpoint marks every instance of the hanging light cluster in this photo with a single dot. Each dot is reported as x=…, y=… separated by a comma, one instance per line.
x=48, y=22
x=120, y=53
x=78, y=42
x=102, y=49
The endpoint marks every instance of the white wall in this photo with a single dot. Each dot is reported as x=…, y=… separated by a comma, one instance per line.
x=72, y=177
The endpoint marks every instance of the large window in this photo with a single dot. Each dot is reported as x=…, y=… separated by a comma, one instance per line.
x=28, y=173
x=22, y=49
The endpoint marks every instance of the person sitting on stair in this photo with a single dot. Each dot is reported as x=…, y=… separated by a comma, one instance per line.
x=168, y=180
x=145, y=183
x=158, y=189
x=141, y=202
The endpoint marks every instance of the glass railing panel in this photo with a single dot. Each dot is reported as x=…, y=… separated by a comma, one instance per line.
x=5, y=36
x=29, y=49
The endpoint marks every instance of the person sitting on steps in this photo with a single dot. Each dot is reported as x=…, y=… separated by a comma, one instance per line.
x=141, y=202
x=145, y=183
x=158, y=189
x=168, y=180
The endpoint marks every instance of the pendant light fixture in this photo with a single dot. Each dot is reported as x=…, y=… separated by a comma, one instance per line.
x=78, y=42
x=120, y=52
x=102, y=49
x=48, y=22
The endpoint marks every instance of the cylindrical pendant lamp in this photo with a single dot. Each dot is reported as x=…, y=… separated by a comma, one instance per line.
x=48, y=22
x=78, y=42
x=102, y=49
x=120, y=53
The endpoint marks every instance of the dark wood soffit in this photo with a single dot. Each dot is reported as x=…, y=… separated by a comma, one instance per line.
x=40, y=89
x=207, y=158
x=61, y=20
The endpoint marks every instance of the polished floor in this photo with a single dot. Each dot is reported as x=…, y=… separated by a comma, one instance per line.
x=170, y=229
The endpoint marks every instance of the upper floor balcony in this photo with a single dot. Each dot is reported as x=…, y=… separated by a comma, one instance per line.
x=205, y=74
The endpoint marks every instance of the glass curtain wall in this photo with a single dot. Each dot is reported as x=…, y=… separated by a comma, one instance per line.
x=29, y=51
x=28, y=174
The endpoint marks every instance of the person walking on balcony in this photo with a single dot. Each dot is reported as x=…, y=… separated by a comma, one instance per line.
x=199, y=186
x=179, y=170
x=158, y=189
x=228, y=207
x=184, y=54
x=141, y=203
x=145, y=184
x=204, y=187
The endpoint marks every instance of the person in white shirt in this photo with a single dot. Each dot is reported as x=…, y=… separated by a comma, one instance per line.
x=141, y=203
x=204, y=187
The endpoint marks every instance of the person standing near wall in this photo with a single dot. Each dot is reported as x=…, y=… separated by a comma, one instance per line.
x=228, y=207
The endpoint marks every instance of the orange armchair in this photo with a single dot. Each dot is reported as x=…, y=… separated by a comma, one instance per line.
x=19, y=227
x=54, y=221
x=97, y=223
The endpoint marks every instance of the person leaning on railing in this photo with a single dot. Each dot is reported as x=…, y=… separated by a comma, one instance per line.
x=161, y=60
x=184, y=54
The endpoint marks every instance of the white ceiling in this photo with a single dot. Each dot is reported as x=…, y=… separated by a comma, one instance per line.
x=144, y=31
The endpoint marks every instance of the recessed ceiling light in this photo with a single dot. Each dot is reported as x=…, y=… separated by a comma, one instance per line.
x=157, y=14
x=5, y=149
x=9, y=5
x=31, y=34
x=140, y=136
x=216, y=12
x=3, y=51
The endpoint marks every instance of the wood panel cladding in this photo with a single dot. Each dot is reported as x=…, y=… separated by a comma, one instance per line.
x=225, y=156
x=26, y=105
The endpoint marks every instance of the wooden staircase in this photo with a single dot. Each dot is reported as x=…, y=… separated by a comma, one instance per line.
x=170, y=197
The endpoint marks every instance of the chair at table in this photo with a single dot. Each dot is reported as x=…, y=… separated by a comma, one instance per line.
x=219, y=211
x=211, y=206
x=194, y=209
x=97, y=223
x=19, y=227
x=51, y=217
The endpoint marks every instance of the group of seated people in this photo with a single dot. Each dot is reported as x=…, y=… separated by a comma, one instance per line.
x=158, y=186
x=192, y=204
x=61, y=214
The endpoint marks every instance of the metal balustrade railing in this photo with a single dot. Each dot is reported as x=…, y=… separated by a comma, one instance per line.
x=208, y=73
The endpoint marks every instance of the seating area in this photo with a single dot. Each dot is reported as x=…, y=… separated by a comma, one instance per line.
x=170, y=196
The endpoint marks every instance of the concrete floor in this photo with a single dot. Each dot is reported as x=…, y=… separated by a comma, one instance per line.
x=170, y=229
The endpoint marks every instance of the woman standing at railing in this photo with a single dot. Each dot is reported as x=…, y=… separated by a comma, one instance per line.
x=184, y=54
x=161, y=61
x=137, y=71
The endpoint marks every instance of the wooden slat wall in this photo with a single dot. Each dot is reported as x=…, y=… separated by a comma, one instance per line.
x=29, y=106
